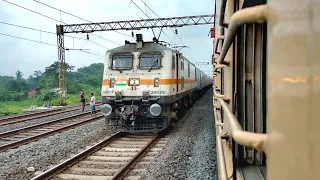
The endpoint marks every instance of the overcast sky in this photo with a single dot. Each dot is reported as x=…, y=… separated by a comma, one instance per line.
x=28, y=56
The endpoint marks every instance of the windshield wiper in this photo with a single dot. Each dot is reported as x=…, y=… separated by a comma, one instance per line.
x=118, y=69
x=154, y=64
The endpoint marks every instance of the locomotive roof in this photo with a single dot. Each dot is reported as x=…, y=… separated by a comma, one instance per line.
x=147, y=46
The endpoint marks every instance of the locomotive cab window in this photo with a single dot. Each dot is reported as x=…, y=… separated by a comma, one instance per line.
x=150, y=60
x=122, y=62
x=182, y=64
x=173, y=62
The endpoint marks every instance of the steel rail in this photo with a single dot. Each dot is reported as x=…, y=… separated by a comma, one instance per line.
x=30, y=114
x=119, y=175
x=68, y=163
x=39, y=136
x=44, y=114
x=5, y=119
x=126, y=169
x=28, y=128
x=40, y=115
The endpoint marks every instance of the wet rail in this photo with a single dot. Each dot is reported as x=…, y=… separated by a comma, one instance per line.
x=24, y=135
x=121, y=156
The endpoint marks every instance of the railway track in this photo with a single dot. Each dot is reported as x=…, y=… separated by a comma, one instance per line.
x=28, y=114
x=28, y=117
x=24, y=135
x=121, y=156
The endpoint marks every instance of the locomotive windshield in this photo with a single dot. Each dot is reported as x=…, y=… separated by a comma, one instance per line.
x=150, y=60
x=122, y=61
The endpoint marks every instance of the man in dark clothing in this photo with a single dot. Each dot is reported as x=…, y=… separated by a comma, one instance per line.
x=82, y=100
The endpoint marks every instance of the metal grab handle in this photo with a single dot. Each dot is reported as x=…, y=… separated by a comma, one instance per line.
x=222, y=12
x=250, y=139
x=256, y=14
x=222, y=169
x=217, y=95
x=217, y=44
x=218, y=66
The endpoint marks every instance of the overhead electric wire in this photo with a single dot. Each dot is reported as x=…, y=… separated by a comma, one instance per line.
x=24, y=27
x=52, y=18
x=162, y=23
x=150, y=18
x=26, y=39
x=74, y=16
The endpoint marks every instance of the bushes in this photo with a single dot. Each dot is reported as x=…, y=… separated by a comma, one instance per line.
x=14, y=90
x=6, y=112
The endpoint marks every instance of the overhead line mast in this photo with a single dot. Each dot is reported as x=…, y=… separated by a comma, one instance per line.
x=119, y=25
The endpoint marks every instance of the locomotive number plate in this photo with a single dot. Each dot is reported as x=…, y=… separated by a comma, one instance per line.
x=157, y=92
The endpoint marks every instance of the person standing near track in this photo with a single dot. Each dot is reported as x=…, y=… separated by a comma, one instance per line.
x=82, y=100
x=93, y=104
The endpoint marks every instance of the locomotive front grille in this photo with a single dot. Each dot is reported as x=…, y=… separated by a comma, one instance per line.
x=143, y=124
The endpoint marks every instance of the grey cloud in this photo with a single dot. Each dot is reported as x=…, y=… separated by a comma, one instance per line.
x=29, y=56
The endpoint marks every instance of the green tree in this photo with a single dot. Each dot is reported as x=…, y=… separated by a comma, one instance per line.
x=53, y=69
x=19, y=75
x=34, y=79
x=49, y=82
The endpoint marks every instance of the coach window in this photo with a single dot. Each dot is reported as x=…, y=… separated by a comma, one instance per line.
x=173, y=62
x=182, y=83
x=188, y=70
x=150, y=60
x=182, y=64
x=122, y=61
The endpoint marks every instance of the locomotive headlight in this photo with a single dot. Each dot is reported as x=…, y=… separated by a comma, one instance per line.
x=106, y=109
x=134, y=81
x=155, y=109
x=156, y=82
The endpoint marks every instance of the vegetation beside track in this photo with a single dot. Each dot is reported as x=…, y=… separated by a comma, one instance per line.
x=15, y=91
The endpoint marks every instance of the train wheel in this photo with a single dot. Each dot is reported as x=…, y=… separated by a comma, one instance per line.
x=186, y=103
x=181, y=108
x=173, y=123
x=191, y=100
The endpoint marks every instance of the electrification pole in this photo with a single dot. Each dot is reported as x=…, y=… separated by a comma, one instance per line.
x=62, y=70
x=118, y=25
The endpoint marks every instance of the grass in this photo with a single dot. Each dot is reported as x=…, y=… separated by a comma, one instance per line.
x=16, y=107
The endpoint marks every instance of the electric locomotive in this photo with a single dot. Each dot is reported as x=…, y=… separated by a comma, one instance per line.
x=147, y=85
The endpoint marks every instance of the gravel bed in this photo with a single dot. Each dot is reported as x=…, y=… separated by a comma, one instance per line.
x=190, y=153
x=50, y=151
x=14, y=126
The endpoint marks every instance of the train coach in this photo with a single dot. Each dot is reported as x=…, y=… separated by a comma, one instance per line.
x=147, y=85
